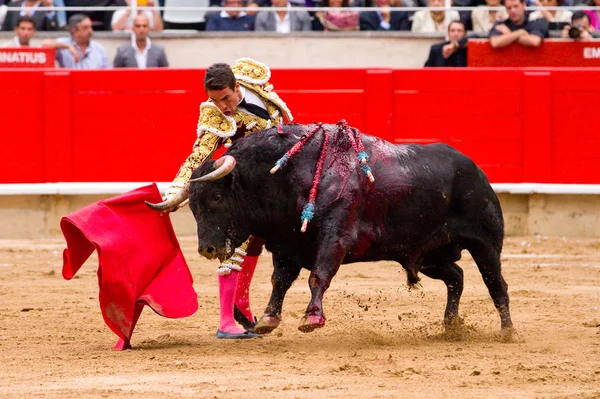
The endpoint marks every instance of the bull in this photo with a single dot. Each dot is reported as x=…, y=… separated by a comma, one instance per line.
x=426, y=205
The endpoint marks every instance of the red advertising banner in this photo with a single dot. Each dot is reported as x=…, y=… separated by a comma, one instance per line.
x=552, y=53
x=26, y=57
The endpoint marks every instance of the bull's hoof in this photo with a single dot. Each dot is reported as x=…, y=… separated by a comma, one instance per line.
x=311, y=323
x=266, y=324
x=509, y=335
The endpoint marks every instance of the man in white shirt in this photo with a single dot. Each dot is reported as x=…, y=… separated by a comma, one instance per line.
x=24, y=31
x=123, y=19
x=284, y=21
x=141, y=52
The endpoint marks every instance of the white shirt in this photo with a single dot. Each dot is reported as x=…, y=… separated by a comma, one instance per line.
x=283, y=26
x=24, y=8
x=561, y=16
x=224, y=14
x=141, y=56
x=252, y=99
x=129, y=23
x=14, y=42
x=424, y=23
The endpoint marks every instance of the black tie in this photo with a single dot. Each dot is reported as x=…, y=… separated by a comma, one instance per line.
x=255, y=109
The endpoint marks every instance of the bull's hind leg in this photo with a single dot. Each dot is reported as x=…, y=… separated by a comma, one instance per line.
x=284, y=274
x=452, y=275
x=488, y=261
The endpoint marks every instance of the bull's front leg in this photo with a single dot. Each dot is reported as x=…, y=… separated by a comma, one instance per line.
x=326, y=266
x=285, y=272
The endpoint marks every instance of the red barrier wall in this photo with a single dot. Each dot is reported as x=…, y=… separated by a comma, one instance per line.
x=552, y=53
x=519, y=125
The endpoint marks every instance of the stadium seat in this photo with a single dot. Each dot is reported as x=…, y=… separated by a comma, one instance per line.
x=180, y=19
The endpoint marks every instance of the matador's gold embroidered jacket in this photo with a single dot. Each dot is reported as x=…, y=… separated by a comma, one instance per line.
x=215, y=129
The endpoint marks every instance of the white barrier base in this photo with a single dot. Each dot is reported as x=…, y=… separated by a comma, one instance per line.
x=119, y=188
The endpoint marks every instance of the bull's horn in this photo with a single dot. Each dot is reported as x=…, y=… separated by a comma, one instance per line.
x=172, y=202
x=223, y=166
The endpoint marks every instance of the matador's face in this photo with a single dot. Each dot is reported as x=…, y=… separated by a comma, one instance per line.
x=226, y=100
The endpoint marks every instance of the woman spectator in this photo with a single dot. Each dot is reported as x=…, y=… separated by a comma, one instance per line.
x=556, y=16
x=426, y=21
x=337, y=20
x=594, y=14
x=483, y=19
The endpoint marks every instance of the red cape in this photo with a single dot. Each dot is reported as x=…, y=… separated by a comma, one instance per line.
x=140, y=261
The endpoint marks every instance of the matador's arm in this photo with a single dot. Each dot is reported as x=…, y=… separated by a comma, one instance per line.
x=203, y=149
x=213, y=129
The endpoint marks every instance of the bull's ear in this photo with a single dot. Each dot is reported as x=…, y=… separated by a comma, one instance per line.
x=223, y=166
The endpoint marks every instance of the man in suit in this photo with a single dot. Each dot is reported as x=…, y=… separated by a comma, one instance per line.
x=44, y=20
x=285, y=21
x=452, y=53
x=141, y=53
x=383, y=18
x=231, y=19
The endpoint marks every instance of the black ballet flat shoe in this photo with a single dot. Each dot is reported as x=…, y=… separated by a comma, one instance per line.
x=247, y=324
x=244, y=335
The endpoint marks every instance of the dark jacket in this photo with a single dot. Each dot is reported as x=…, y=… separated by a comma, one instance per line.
x=125, y=57
x=369, y=20
x=42, y=22
x=217, y=23
x=457, y=59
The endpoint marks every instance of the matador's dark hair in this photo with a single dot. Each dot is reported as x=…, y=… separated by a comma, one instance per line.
x=218, y=77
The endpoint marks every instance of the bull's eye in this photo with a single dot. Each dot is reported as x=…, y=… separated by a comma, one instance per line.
x=217, y=197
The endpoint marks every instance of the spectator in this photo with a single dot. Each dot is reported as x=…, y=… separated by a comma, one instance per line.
x=553, y=16
x=594, y=14
x=516, y=29
x=282, y=21
x=231, y=19
x=92, y=54
x=484, y=19
x=580, y=28
x=452, y=53
x=141, y=52
x=3, y=11
x=383, y=18
x=101, y=20
x=123, y=19
x=426, y=21
x=338, y=20
x=61, y=15
x=44, y=20
x=24, y=31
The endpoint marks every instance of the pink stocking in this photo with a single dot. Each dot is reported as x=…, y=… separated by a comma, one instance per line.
x=242, y=294
x=227, y=287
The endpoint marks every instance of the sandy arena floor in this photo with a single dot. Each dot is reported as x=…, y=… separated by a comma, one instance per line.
x=380, y=339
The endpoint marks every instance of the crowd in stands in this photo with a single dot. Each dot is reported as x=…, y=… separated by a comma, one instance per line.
x=509, y=23
x=256, y=15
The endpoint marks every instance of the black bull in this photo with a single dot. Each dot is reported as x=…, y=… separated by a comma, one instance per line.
x=427, y=204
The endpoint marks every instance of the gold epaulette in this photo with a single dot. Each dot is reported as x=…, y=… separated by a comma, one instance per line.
x=255, y=76
x=214, y=121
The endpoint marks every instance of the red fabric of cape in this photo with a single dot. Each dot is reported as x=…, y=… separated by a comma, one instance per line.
x=140, y=261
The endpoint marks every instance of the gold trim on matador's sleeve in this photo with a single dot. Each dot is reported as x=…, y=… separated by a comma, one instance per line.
x=204, y=147
x=214, y=121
